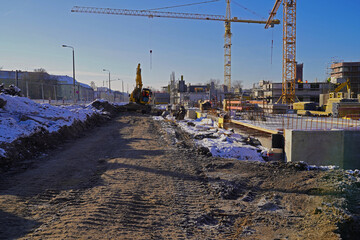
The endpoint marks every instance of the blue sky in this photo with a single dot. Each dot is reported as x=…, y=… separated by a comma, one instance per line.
x=32, y=32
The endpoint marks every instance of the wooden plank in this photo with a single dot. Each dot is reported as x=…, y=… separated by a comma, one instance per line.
x=254, y=127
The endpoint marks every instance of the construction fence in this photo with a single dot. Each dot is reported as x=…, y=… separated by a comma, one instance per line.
x=280, y=117
x=53, y=91
x=279, y=122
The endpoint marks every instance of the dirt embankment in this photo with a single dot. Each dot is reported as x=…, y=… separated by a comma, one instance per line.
x=136, y=178
x=41, y=141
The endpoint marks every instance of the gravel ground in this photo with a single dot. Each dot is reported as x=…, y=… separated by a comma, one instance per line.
x=136, y=178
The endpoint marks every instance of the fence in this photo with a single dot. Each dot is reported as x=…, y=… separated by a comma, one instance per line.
x=52, y=91
x=273, y=120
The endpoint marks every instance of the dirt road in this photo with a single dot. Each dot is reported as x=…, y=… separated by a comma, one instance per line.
x=131, y=179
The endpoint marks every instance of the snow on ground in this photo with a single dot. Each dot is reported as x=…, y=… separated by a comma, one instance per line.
x=220, y=142
x=118, y=103
x=21, y=117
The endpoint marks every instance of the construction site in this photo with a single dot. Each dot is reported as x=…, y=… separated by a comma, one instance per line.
x=214, y=160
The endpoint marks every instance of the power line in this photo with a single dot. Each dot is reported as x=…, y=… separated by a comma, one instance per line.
x=184, y=5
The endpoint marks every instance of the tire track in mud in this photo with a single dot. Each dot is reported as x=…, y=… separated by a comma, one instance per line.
x=139, y=186
x=131, y=179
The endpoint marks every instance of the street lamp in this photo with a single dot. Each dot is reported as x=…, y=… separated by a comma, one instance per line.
x=122, y=93
x=73, y=53
x=109, y=78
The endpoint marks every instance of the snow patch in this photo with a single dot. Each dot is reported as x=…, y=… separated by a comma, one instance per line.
x=22, y=117
x=221, y=143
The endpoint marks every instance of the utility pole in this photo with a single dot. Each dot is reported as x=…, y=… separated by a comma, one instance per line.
x=109, y=79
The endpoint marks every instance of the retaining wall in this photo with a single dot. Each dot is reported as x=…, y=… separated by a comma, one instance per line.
x=334, y=147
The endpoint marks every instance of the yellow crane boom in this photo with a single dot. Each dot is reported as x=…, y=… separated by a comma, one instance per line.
x=151, y=14
x=289, y=48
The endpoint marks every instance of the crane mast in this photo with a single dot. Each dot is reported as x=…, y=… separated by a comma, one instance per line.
x=289, y=48
x=227, y=19
x=227, y=48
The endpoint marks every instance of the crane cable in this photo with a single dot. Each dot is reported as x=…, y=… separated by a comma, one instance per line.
x=247, y=9
x=272, y=45
x=184, y=5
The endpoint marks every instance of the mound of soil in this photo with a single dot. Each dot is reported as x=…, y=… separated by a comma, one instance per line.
x=26, y=147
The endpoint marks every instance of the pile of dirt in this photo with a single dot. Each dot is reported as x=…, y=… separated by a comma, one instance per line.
x=108, y=108
x=39, y=142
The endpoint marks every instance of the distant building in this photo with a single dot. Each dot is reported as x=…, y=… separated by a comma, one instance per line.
x=299, y=72
x=342, y=71
x=271, y=92
x=161, y=97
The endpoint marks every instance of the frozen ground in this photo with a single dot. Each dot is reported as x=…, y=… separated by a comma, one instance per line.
x=220, y=142
x=22, y=117
x=227, y=144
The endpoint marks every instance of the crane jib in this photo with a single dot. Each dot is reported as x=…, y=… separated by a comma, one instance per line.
x=152, y=14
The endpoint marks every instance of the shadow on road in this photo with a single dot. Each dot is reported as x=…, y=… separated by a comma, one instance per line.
x=10, y=225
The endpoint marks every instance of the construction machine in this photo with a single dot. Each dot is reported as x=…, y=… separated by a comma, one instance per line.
x=140, y=95
x=336, y=94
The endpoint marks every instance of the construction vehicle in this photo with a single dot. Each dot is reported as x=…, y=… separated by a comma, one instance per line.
x=140, y=97
x=336, y=94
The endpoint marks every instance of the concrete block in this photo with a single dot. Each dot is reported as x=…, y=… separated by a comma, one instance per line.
x=315, y=147
x=351, y=149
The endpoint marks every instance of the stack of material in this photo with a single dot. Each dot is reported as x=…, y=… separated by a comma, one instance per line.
x=345, y=107
x=311, y=106
x=274, y=108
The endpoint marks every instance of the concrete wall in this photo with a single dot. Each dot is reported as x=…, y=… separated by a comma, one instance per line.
x=335, y=147
x=351, y=149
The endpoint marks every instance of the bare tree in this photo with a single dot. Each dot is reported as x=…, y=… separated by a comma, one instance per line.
x=40, y=70
x=215, y=81
x=92, y=84
x=237, y=84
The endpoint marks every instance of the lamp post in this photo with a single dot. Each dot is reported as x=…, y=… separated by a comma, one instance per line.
x=73, y=53
x=109, y=78
x=122, y=92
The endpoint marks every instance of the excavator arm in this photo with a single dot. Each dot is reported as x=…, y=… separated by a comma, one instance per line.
x=341, y=86
x=138, y=77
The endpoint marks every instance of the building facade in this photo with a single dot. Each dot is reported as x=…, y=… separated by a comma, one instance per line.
x=342, y=71
x=305, y=92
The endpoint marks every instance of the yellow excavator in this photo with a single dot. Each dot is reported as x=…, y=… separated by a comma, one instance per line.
x=334, y=94
x=140, y=95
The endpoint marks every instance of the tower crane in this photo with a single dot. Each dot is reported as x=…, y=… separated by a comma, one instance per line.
x=227, y=19
x=289, y=48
